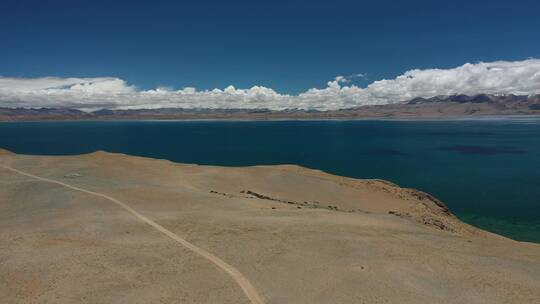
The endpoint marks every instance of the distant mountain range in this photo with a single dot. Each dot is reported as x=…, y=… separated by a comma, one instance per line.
x=434, y=107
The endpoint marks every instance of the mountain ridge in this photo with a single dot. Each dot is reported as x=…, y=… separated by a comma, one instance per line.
x=457, y=105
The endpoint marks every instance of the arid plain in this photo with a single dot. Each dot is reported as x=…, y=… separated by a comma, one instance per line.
x=112, y=228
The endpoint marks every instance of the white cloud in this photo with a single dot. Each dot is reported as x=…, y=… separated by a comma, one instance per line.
x=500, y=77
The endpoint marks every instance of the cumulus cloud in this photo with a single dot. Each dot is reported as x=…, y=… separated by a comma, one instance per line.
x=499, y=77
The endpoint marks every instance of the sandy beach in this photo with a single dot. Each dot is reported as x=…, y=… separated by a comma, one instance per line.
x=112, y=228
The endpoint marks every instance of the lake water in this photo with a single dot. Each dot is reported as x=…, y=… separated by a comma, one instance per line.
x=486, y=170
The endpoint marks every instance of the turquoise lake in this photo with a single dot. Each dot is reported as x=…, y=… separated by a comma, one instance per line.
x=486, y=170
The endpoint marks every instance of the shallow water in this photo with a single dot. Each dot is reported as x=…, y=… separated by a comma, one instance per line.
x=486, y=170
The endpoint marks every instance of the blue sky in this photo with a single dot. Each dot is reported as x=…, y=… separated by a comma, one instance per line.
x=255, y=54
x=289, y=46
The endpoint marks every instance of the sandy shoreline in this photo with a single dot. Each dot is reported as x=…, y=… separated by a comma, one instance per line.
x=262, y=119
x=298, y=235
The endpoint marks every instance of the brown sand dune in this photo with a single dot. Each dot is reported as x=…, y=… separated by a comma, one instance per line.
x=111, y=228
